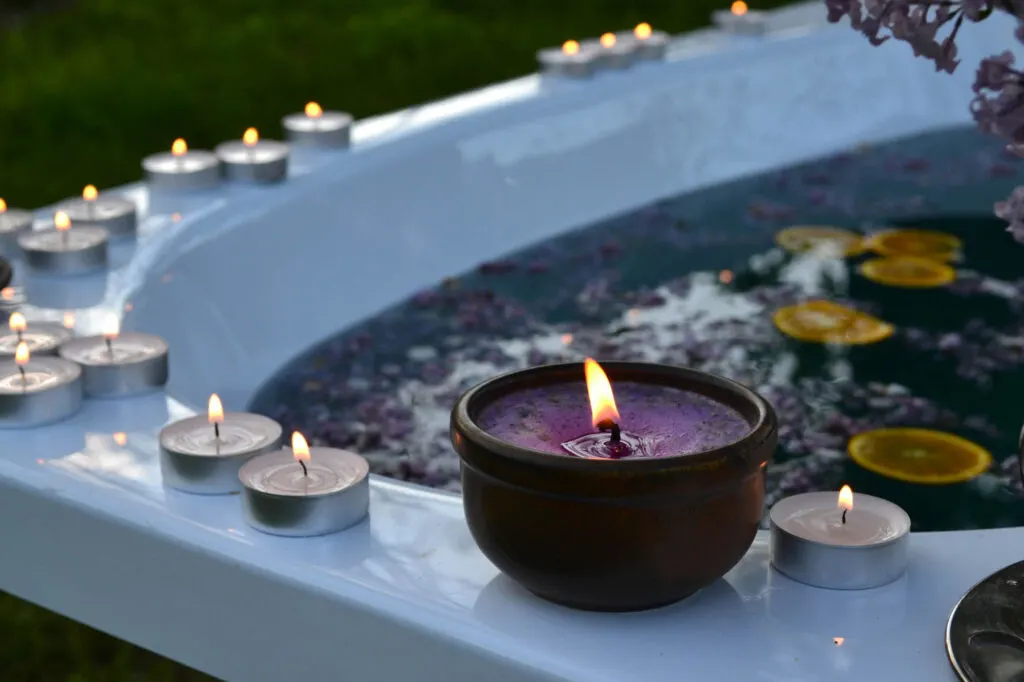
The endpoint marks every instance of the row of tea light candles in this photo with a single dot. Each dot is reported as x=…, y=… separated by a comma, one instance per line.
x=302, y=491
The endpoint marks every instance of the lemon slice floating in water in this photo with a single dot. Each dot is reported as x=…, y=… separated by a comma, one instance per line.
x=910, y=272
x=919, y=455
x=828, y=322
x=831, y=242
x=921, y=243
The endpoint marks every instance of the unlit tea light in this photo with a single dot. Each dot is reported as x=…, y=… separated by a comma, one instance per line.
x=254, y=160
x=41, y=338
x=63, y=250
x=37, y=391
x=13, y=222
x=116, y=215
x=203, y=454
x=315, y=127
x=182, y=168
x=305, y=491
x=116, y=365
x=740, y=19
x=825, y=540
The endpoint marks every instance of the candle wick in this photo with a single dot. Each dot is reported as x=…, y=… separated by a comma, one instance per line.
x=19, y=336
x=64, y=239
x=110, y=346
x=179, y=162
x=216, y=431
x=305, y=471
x=844, y=516
x=616, y=431
x=24, y=379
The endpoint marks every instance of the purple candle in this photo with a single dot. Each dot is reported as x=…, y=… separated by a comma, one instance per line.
x=655, y=421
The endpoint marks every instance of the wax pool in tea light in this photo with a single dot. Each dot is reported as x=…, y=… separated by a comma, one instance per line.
x=182, y=168
x=823, y=539
x=254, y=160
x=304, y=491
x=656, y=420
x=116, y=365
x=41, y=338
x=13, y=222
x=115, y=214
x=63, y=250
x=315, y=127
x=203, y=454
x=37, y=391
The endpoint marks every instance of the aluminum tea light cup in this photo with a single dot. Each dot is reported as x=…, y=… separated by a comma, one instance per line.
x=314, y=127
x=116, y=365
x=305, y=492
x=42, y=338
x=182, y=169
x=62, y=250
x=203, y=454
x=825, y=540
x=118, y=216
x=254, y=160
x=37, y=391
x=13, y=223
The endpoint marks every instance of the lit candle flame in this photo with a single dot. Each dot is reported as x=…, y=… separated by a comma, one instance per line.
x=3, y=205
x=608, y=40
x=69, y=320
x=7, y=293
x=111, y=327
x=845, y=501
x=250, y=137
x=642, y=31
x=178, y=147
x=21, y=354
x=121, y=438
x=739, y=8
x=90, y=193
x=570, y=47
x=215, y=410
x=313, y=110
x=17, y=323
x=62, y=221
x=602, y=400
x=300, y=448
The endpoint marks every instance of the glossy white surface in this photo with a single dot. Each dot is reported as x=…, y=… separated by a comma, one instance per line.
x=246, y=277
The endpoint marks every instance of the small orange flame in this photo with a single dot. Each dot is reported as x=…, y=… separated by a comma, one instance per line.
x=845, y=498
x=642, y=31
x=121, y=438
x=313, y=110
x=111, y=327
x=608, y=40
x=90, y=193
x=215, y=410
x=300, y=448
x=21, y=354
x=570, y=47
x=178, y=147
x=7, y=293
x=62, y=221
x=739, y=8
x=566, y=339
x=250, y=137
x=69, y=320
x=725, y=276
x=3, y=205
x=838, y=641
x=602, y=400
x=17, y=322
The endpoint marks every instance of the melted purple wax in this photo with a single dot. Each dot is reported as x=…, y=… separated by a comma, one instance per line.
x=657, y=421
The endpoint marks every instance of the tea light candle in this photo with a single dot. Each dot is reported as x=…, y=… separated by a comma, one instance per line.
x=315, y=127
x=34, y=392
x=182, y=168
x=253, y=159
x=572, y=60
x=648, y=44
x=115, y=214
x=826, y=541
x=41, y=338
x=739, y=19
x=13, y=222
x=116, y=365
x=304, y=491
x=202, y=455
x=614, y=53
x=64, y=251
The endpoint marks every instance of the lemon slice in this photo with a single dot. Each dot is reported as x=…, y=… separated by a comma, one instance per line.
x=830, y=242
x=827, y=322
x=922, y=243
x=919, y=455
x=910, y=272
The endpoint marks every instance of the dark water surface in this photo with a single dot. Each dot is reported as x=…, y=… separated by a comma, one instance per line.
x=695, y=280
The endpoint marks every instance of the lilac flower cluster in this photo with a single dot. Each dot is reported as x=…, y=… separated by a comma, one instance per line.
x=998, y=103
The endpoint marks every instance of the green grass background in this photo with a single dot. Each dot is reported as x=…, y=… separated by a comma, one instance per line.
x=90, y=87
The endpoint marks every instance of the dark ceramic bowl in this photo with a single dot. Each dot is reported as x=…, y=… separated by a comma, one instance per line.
x=613, y=535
